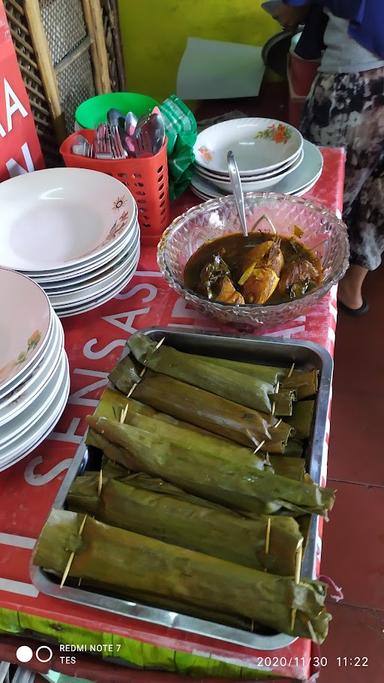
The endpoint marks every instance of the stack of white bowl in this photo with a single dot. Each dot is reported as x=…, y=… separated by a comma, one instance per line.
x=34, y=374
x=74, y=231
x=271, y=155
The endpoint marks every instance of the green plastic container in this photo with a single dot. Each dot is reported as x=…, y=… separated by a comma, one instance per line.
x=94, y=111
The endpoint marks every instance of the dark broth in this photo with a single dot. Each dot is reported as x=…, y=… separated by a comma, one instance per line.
x=233, y=249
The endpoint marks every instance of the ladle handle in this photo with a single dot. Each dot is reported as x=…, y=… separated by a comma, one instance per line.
x=237, y=191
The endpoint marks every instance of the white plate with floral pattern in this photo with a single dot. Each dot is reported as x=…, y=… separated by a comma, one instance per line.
x=25, y=322
x=297, y=182
x=253, y=184
x=214, y=175
x=259, y=145
x=59, y=217
x=26, y=391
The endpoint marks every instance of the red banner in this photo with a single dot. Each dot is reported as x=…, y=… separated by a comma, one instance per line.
x=20, y=150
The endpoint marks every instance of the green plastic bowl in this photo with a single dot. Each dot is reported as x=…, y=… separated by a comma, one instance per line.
x=94, y=111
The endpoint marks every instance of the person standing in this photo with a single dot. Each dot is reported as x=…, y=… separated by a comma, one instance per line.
x=345, y=108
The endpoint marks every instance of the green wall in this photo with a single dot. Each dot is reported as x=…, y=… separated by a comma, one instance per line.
x=154, y=35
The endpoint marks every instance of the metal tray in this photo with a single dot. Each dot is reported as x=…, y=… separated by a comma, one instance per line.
x=266, y=350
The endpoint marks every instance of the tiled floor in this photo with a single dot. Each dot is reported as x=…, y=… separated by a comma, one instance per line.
x=353, y=542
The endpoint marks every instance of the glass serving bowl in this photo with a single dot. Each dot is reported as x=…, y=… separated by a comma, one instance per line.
x=323, y=233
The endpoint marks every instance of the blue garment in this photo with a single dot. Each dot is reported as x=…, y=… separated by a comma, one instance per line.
x=366, y=19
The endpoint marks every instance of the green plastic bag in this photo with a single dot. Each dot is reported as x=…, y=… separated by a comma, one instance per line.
x=181, y=130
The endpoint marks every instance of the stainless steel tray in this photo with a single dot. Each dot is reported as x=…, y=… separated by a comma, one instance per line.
x=247, y=348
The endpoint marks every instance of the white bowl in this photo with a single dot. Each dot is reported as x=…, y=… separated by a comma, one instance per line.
x=60, y=217
x=253, y=184
x=214, y=175
x=296, y=183
x=259, y=145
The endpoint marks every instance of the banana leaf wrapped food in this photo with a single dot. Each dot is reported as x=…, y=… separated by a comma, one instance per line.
x=130, y=564
x=115, y=405
x=284, y=402
x=248, y=391
x=230, y=484
x=190, y=523
x=112, y=404
x=292, y=468
x=302, y=418
x=294, y=448
x=201, y=408
x=268, y=373
x=83, y=495
x=305, y=383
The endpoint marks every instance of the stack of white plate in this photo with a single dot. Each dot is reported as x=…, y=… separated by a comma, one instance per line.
x=270, y=155
x=74, y=231
x=34, y=373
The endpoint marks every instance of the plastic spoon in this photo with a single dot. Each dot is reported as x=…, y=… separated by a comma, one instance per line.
x=237, y=191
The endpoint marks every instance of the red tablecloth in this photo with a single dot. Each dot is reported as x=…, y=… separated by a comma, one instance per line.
x=94, y=342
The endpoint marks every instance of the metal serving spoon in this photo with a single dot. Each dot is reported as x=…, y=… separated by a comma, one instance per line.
x=115, y=118
x=237, y=190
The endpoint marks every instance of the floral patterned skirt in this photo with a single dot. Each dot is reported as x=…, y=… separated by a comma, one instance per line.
x=347, y=110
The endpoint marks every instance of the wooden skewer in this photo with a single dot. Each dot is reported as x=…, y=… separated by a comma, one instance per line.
x=143, y=371
x=67, y=568
x=132, y=389
x=154, y=351
x=291, y=370
x=277, y=387
x=252, y=437
x=299, y=557
x=261, y=444
x=258, y=444
x=159, y=344
x=268, y=535
x=123, y=414
x=100, y=483
x=72, y=555
x=278, y=423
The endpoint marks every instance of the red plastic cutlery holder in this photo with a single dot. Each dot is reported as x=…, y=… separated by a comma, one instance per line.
x=145, y=177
